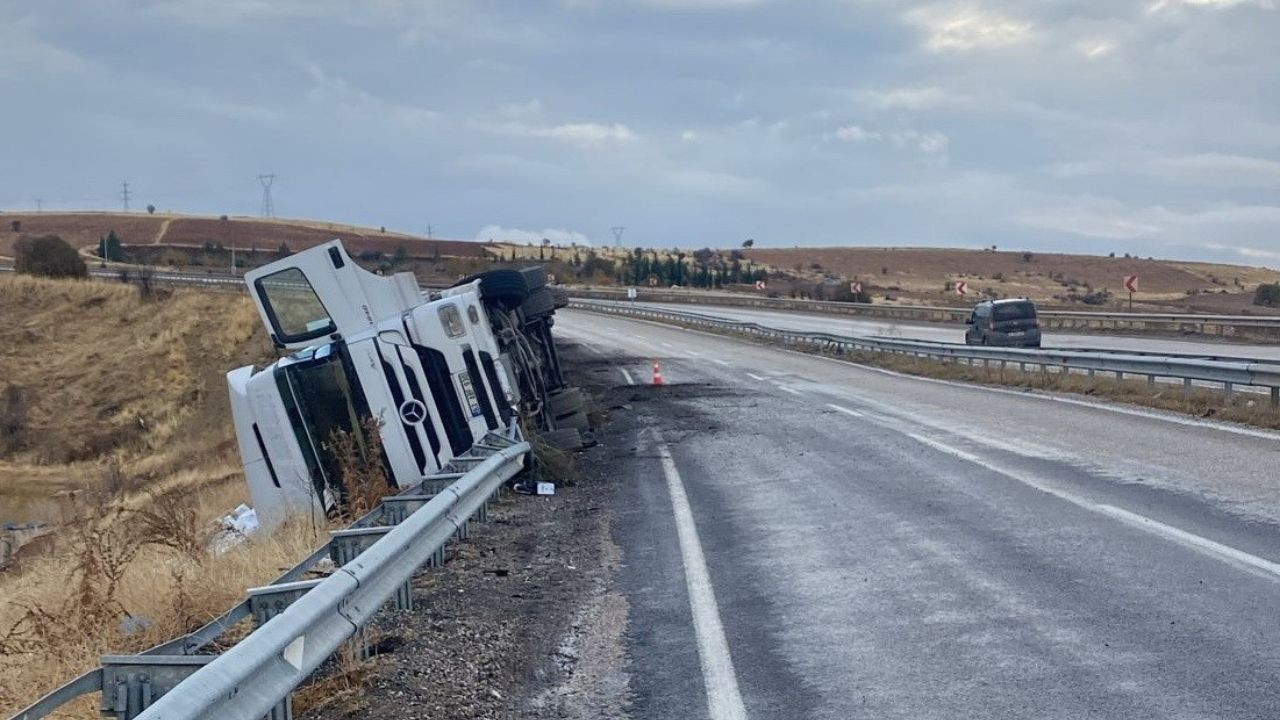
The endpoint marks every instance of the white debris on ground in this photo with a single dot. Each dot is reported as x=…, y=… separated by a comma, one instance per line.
x=235, y=527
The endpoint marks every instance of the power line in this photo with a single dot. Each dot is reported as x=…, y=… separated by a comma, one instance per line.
x=268, y=208
x=124, y=195
x=617, y=234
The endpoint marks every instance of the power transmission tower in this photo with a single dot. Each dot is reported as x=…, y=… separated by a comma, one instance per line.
x=268, y=208
x=617, y=234
x=124, y=195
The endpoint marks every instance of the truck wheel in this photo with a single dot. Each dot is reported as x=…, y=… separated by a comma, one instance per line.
x=534, y=277
x=565, y=401
x=569, y=439
x=505, y=287
x=577, y=420
x=540, y=302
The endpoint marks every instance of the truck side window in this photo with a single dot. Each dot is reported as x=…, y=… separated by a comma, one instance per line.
x=295, y=311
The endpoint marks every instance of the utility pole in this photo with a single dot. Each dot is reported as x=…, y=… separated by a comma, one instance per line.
x=39, y=205
x=124, y=195
x=268, y=208
x=617, y=234
x=428, y=232
x=233, y=259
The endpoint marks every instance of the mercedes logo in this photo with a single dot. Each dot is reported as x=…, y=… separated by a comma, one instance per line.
x=413, y=412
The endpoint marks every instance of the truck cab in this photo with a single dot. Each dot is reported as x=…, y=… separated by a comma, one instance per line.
x=362, y=346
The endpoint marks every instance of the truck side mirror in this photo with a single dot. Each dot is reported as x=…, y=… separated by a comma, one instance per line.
x=968, y=320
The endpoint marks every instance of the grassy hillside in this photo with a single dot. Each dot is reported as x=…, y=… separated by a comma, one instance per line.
x=117, y=431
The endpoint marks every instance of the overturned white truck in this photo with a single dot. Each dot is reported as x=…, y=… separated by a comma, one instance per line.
x=438, y=371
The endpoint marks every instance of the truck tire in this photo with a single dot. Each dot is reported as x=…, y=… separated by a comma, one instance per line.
x=541, y=302
x=569, y=439
x=577, y=420
x=504, y=287
x=534, y=277
x=563, y=402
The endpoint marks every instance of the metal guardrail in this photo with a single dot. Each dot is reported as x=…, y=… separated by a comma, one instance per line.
x=300, y=623
x=1058, y=319
x=1229, y=373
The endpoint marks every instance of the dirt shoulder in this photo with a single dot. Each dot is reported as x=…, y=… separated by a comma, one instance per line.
x=524, y=619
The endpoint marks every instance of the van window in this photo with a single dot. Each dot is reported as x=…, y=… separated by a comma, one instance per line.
x=295, y=311
x=1015, y=311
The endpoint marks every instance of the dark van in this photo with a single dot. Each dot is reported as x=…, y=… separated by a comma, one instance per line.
x=1003, y=322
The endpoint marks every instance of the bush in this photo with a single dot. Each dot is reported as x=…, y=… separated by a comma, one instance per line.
x=1267, y=295
x=48, y=256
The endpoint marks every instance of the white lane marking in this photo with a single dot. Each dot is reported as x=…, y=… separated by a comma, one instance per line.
x=694, y=354
x=1203, y=545
x=845, y=410
x=719, y=362
x=724, y=702
x=784, y=388
x=1119, y=409
x=627, y=375
x=665, y=344
x=755, y=377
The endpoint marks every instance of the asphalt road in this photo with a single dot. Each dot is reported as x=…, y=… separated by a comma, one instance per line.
x=803, y=538
x=939, y=332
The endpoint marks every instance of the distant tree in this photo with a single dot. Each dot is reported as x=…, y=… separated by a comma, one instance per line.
x=1026, y=257
x=48, y=256
x=222, y=217
x=749, y=242
x=283, y=251
x=151, y=209
x=704, y=256
x=15, y=225
x=401, y=256
x=109, y=247
x=1267, y=295
x=1112, y=254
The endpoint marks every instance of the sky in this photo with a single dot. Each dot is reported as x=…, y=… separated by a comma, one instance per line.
x=1143, y=126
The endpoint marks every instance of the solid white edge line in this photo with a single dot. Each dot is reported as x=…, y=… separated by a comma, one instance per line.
x=1134, y=411
x=793, y=391
x=719, y=362
x=724, y=701
x=627, y=375
x=845, y=410
x=755, y=377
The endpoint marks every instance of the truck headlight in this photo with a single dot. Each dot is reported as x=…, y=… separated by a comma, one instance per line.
x=452, y=321
x=474, y=314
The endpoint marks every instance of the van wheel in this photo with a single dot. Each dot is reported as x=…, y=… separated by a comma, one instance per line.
x=504, y=287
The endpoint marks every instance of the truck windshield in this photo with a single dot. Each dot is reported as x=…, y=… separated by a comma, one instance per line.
x=320, y=400
x=1015, y=311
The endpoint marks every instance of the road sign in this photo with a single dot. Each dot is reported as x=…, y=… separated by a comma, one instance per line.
x=855, y=287
x=759, y=284
x=1131, y=283
x=962, y=288
x=631, y=293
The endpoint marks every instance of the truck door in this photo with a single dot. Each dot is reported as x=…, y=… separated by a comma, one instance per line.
x=320, y=291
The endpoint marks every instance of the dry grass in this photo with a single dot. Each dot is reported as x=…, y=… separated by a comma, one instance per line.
x=122, y=581
x=126, y=446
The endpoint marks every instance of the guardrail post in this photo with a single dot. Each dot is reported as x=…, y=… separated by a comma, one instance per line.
x=1186, y=388
x=1228, y=391
x=130, y=683
x=1275, y=397
x=1151, y=382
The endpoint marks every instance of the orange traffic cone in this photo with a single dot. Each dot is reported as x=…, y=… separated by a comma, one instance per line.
x=657, y=373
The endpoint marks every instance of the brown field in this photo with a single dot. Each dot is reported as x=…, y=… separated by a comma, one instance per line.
x=121, y=439
x=920, y=274
x=83, y=230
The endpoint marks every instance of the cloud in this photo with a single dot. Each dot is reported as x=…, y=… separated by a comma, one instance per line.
x=587, y=134
x=967, y=27
x=1160, y=5
x=337, y=93
x=911, y=98
x=855, y=133
x=23, y=53
x=1219, y=170
x=518, y=235
x=929, y=142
